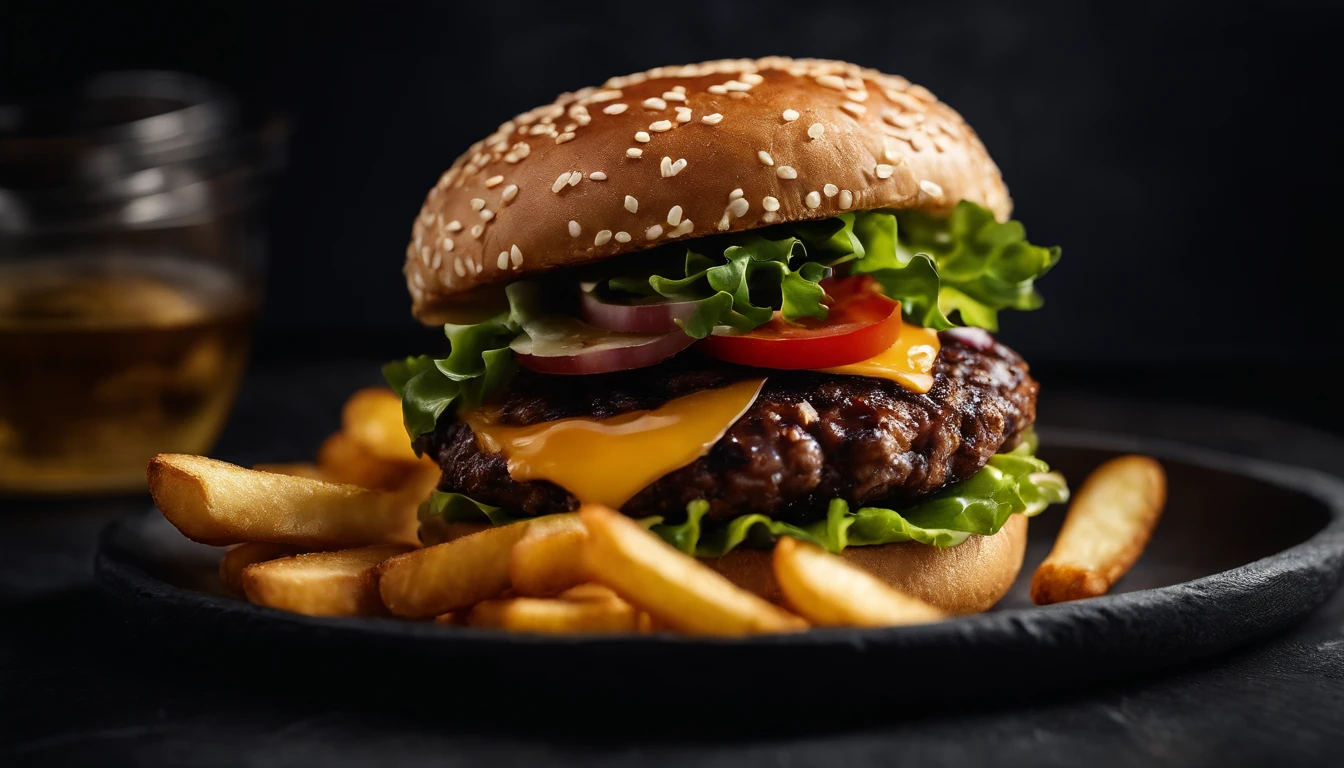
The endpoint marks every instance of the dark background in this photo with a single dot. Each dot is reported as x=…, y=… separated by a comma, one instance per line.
x=1184, y=155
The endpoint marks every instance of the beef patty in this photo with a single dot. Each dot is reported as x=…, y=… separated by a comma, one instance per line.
x=808, y=438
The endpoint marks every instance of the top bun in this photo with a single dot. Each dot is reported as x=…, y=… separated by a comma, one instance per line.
x=690, y=151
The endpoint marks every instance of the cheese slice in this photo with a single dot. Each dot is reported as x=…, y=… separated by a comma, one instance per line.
x=908, y=362
x=608, y=461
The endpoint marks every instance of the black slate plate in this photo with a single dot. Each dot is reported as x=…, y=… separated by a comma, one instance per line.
x=1246, y=548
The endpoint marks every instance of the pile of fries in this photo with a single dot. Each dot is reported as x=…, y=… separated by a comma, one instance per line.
x=339, y=538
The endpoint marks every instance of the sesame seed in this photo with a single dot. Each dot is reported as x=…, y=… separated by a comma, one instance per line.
x=770, y=217
x=597, y=176
x=575, y=177
x=770, y=203
x=752, y=78
x=713, y=119
x=790, y=115
x=487, y=214
x=641, y=136
x=503, y=260
x=683, y=114
x=679, y=89
x=666, y=167
x=813, y=200
x=475, y=267
x=786, y=172
x=677, y=167
x=717, y=89
x=615, y=109
x=476, y=230
x=737, y=85
x=566, y=136
x=832, y=81
x=653, y=232
x=515, y=255
x=674, y=215
x=447, y=244
x=631, y=204
x=830, y=190
x=622, y=237
x=574, y=229
x=454, y=226
x=560, y=182
x=674, y=96
x=477, y=203
x=459, y=269
x=883, y=171
x=846, y=199
x=493, y=181
x=930, y=188
x=739, y=207
x=816, y=130
x=438, y=259
x=854, y=109
x=723, y=224
x=736, y=193
x=605, y=95
x=684, y=228
x=603, y=237
x=634, y=152
x=859, y=96
x=661, y=125
x=653, y=102
x=765, y=157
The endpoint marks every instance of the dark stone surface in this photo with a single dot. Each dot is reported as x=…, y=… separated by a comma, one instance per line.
x=83, y=681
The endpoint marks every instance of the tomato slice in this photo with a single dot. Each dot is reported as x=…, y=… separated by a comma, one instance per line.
x=861, y=324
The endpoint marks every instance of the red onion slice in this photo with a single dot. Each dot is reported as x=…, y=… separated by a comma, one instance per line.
x=565, y=346
x=658, y=317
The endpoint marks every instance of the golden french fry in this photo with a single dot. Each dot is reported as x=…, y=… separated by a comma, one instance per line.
x=294, y=469
x=589, y=591
x=531, y=614
x=214, y=502
x=829, y=592
x=372, y=418
x=451, y=576
x=344, y=460
x=1107, y=527
x=237, y=558
x=677, y=590
x=548, y=559
x=340, y=583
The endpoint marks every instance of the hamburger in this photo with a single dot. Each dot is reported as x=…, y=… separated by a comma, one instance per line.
x=736, y=300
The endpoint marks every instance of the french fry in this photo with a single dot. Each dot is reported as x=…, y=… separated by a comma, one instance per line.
x=372, y=418
x=451, y=576
x=589, y=591
x=677, y=590
x=548, y=559
x=214, y=502
x=1107, y=527
x=829, y=592
x=531, y=614
x=295, y=469
x=340, y=583
x=344, y=460
x=237, y=558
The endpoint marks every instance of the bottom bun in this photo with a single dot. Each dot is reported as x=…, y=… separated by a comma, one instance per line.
x=968, y=578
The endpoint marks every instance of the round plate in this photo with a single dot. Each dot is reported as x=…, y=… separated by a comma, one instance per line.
x=1245, y=548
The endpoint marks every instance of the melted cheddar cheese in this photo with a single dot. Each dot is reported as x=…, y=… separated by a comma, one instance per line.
x=908, y=362
x=608, y=461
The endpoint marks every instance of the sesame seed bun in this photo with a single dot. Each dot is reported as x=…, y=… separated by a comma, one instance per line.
x=968, y=578
x=684, y=152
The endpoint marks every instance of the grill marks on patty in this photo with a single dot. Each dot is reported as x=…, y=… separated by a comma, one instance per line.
x=808, y=438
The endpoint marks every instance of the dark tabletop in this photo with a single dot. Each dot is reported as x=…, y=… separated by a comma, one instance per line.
x=82, y=682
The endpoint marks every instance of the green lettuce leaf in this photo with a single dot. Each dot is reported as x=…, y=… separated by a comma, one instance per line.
x=479, y=362
x=966, y=266
x=457, y=508
x=1010, y=483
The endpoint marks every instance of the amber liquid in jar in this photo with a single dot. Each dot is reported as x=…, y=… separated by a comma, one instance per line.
x=106, y=362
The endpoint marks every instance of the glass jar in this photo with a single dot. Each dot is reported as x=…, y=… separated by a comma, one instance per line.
x=130, y=276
